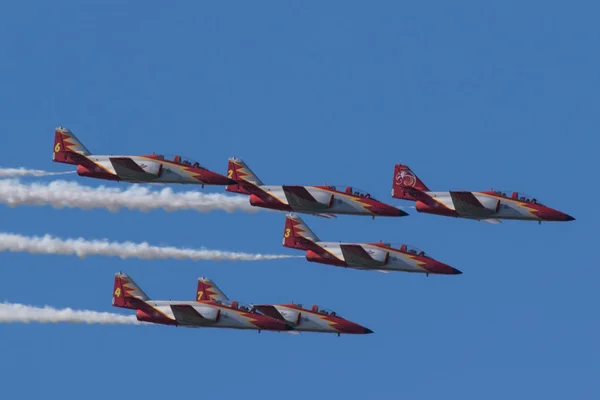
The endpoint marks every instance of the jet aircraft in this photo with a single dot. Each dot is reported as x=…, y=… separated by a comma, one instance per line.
x=325, y=201
x=490, y=206
x=367, y=256
x=313, y=319
x=152, y=168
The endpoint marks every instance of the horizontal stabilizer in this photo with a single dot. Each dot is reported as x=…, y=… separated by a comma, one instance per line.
x=417, y=195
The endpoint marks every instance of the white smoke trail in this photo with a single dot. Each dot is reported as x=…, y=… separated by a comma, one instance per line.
x=11, y=313
x=61, y=194
x=19, y=172
x=82, y=248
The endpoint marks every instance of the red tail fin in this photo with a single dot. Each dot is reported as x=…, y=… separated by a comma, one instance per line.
x=67, y=148
x=297, y=235
x=239, y=171
x=404, y=181
x=207, y=290
x=126, y=293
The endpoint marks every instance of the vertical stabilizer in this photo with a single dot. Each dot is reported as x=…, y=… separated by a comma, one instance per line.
x=67, y=148
x=208, y=290
x=126, y=293
x=297, y=234
x=405, y=181
x=240, y=172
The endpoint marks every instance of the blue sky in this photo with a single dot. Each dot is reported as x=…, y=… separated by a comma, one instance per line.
x=470, y=95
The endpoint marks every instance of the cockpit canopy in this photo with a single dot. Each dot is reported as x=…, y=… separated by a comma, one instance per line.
x=516, y=196
x=238, y=306
x=407, y=248
x=180, y=160
x=351, y=190
x=324, y=311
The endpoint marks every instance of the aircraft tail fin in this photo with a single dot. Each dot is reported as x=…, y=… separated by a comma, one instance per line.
x=208, y=290
x=297, y=234
x=126, y=293
x=405, y=182
x=240, y=172
x=67, y=148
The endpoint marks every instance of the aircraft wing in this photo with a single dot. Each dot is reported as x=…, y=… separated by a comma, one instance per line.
x=467, y=205
x=492, y=221
x=300, y=199
x=269, y=311
x=127, y=169
x=355, y=254
x=187, y=315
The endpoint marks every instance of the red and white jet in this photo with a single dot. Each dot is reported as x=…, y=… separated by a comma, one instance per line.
x=490, y=206
x=152, y=168
x=325, y=201
x=300, y=319
x=367, y=256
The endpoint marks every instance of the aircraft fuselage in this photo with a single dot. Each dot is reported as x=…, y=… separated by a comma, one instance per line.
x=318, y=200
x=494, y=207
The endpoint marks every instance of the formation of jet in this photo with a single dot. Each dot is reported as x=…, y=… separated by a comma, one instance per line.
x=154, y=168
x=367, y=256
x=212, y=309
x=317, y=200
x=490, y=206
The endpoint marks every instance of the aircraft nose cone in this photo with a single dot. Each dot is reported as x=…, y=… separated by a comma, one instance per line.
x=549, y=214
x=402, y=213
x=387, y=210
x=367, y=330
x=436, y=267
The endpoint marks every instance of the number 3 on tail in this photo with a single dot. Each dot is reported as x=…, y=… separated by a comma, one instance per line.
x=287, y=233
